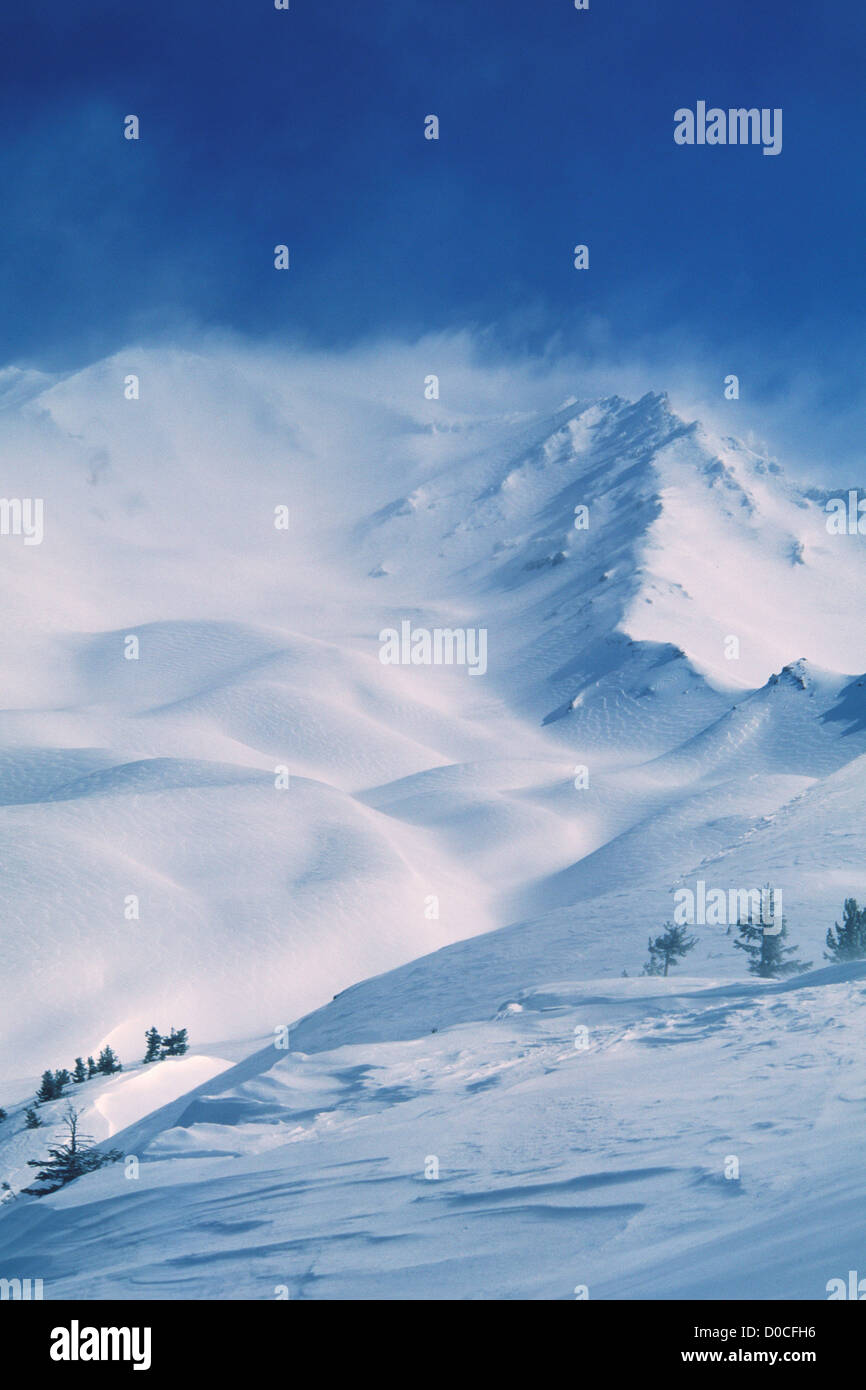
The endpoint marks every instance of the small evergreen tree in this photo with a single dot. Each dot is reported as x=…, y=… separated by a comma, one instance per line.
x=767, y=951
x=47, y=1088
x=31, y=1119
x=2, y=1114
x=91, y=1068
x=79, y=1073
x=175, y=1045
x=668, y=949
x=61, y=1079
x=653, y=965
x=154, y=1044
x=108, y=1062
x=848, y=942
x=69, y=1160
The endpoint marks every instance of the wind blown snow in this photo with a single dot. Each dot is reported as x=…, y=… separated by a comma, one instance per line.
x=255, y=814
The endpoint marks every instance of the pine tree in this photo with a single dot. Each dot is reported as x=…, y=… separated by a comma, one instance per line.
x=47, y=1088
x=154, y=1044
x=175, y=1045
x=80, y=1072
x=2, y=1114
x=69, y=1160
x=766, y=949
x=61, y=1079
x=107, y=1062
x=668, y=948
x=31, y=1119
x=653, y=966
x=849, y=941
x=91, y=1068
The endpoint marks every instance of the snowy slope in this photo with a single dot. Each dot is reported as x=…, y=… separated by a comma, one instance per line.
x=512, y=837
x=606, y=1165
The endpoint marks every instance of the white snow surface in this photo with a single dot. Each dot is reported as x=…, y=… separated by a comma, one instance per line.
x=581, y=1123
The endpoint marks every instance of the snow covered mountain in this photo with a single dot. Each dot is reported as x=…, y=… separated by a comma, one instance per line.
x=219, y=807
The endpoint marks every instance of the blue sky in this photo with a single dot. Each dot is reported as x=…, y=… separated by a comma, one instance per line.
x=306, y=127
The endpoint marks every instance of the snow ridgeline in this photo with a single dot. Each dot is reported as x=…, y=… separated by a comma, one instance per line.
x=255, y=813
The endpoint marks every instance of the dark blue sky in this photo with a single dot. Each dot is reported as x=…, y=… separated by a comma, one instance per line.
x=306, y=127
